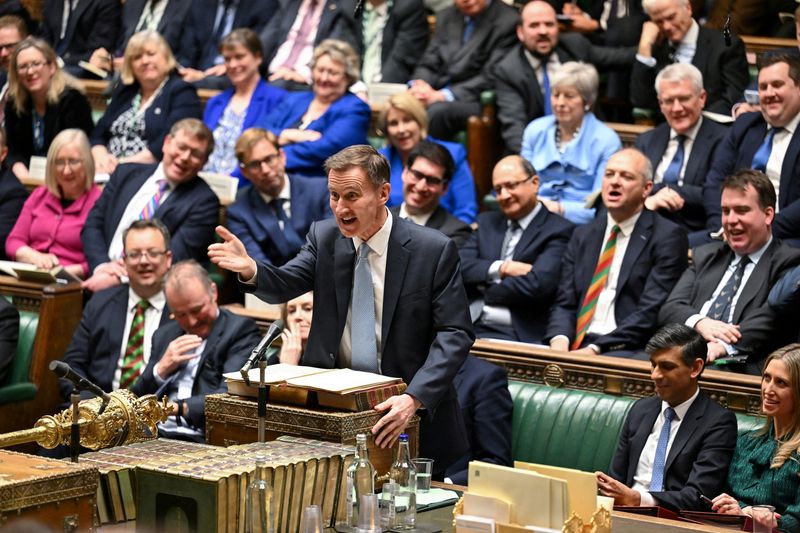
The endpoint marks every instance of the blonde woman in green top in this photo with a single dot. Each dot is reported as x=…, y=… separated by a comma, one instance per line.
x=765, y=468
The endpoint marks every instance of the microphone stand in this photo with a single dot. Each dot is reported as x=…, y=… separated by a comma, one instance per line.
x=263, y=396
x=75, y=429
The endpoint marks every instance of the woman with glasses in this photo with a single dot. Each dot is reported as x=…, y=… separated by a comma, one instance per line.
x=272, y=217
x=570, y=147
x=48, y=231
x=313, y=125
x=249, y=101
x=42, y=101
x=150, y=99
x=405, y=123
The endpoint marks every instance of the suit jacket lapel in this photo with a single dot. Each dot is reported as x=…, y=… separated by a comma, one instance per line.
x=532, y=231
x=691, y=421
x=636, y=243
x=698, y=154
x=594, y=242
x=266, y=218
x=759, y=275
x=396, y=263
x=700, y=60
x=716, y=269
x=790, y=162
x=436, y=219
x=655, y=150
x=74, y=18
x=343, y=259
x=117, y=316
x=211, y=346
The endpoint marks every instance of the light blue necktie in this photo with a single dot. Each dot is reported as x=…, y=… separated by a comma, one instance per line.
x=660, y=460
x=673, y=172
x=362, y=330
x=548, y=108
x=469, y=29
x=761, y=157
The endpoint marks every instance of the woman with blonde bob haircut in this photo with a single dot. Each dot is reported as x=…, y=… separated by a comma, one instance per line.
x=404, y=121
x=765, y=469
x=42, y=101
x=47, y=232
x=150, y=99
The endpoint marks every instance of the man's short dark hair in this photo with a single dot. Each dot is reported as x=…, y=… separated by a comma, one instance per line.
x=147, y=223
x=436, y=154
x=759, y=181
x=692, y=344
x=361, y=156
x=768, y=59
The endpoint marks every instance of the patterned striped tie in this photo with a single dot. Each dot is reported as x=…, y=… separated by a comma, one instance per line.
x=133, y=359
x=598, y=282
x=152, y=204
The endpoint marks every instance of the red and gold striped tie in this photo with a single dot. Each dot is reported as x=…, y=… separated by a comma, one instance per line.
x=599, y=280
x=133, y=360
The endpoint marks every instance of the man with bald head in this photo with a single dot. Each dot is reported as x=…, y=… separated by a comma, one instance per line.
x=619, y=269
x=521, y=85
x=510, y=265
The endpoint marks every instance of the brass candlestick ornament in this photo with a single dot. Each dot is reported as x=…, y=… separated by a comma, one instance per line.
x=126, y=419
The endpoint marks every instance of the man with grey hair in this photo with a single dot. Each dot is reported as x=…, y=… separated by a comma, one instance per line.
x=681, y=150
x=618, y=269
x=394, y=299
x=673, y=36
x=191, y=352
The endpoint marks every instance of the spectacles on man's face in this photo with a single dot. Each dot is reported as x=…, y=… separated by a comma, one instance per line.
x=432, y=181
x=73, y=164
x=33, y=65
x=271, y=160
x=510, y=186
x=7, y=47
x=136, y=255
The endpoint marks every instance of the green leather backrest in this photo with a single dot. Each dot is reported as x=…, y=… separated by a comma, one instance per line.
x=564, y=427
x=20, y=367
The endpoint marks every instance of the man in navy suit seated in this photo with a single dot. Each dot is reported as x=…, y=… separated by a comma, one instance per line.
x=511, y=264
x=618, y=270
x=170, y=191
x=677, y=444
x=111, y=345
x=681, y=149
x=272, y=217
x=191, y=352
x=426, y=178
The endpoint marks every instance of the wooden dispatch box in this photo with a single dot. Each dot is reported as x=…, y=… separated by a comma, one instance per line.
x=234, y=420
x=57, y=493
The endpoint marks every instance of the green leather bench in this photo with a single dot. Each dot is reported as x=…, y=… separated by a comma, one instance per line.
x=17, y=386
x=573, y=428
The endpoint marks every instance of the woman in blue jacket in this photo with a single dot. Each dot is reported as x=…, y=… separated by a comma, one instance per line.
x=313, y=125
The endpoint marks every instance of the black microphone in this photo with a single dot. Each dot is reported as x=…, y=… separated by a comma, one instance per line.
x=358, y=9
x=273, y=332
x=63, y=370
x=726, y=29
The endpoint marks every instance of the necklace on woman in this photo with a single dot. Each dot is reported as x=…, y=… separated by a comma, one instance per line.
x=563, y=147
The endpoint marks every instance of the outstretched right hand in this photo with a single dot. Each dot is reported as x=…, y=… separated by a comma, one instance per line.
x=232, y=255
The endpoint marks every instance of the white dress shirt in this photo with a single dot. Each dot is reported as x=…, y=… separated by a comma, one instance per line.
x=379, y=244
x=780, y=144
x=644, y=470
x=419, y=219
x=152, y=318
x=672, y=148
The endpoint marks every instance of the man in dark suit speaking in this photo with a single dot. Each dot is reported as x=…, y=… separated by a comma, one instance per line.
x=397, y=307
x=678, y=443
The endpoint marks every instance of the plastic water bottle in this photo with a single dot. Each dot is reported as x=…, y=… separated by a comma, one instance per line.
x=360, y=479
x=259, y=513
x=404, y=473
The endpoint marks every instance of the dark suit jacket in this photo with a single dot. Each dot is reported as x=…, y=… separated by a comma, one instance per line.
x=698, y=458
x=9, y=333
x=256, y=224
x=724, y=70
x=654, y=143
x=528, y=297
x=654, y=260
x=451, y=226
x=12, y=197
x=199, y=27
x=425, y=330
x=736, y=151
x=228, y=345
x=519, y=96
x=170, y=26
x=95, y=347
x=486, y=407
x=190, y=212
x=465, y=68
x=762, y=329
x=404, y=38
x=71, y=111
x=336, y=22
x=177, y=100
x=92, y=24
